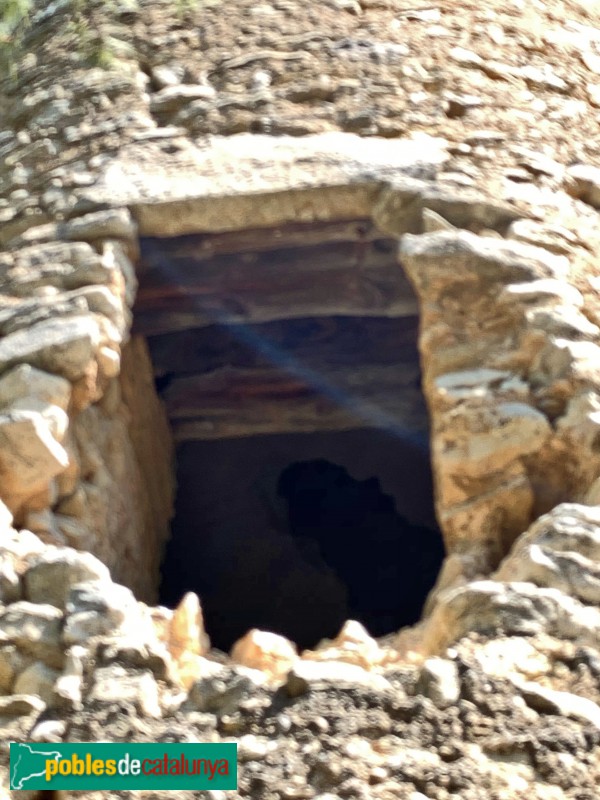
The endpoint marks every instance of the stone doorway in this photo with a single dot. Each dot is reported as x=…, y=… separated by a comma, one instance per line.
x=274, y=351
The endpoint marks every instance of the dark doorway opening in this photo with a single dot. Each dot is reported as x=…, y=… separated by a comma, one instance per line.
x=296, y=533
x=288, y=363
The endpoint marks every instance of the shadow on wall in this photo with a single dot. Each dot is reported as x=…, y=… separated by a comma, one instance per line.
x=273, y=533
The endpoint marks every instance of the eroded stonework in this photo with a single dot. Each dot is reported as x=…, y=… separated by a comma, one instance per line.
x=481, y=156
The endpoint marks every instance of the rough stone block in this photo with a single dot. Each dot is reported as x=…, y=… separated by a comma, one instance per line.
x=35, y=629
x=583, y=181
x=25, y=381
x=305, y=676
x=37, y=679
x=30, y=457
x=52, y=575
x=63, y=346
x=440, y=260
x=439, y=681
x=98, y=608
x=115, y=684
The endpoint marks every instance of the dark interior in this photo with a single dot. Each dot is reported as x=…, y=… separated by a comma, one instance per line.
x=297, y=533
x=288, y=363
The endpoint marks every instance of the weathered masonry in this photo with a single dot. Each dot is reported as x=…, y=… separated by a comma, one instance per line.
x=288, y=290
x=284, y=287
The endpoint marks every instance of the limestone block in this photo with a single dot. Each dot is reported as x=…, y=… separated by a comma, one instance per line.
x=497, y=515
x=46, y=304
x=515, y=657
x=56, y=419
x=555, y=238
x=30, y=457
x=222, y=688
x=63, y=346
x=568, y=361
x=543, y=292
x=581, y=421
x=411, y=758
x=167, y=75
x=112, y=223
x=489, y=606
x=568, y=527
x=69, y=685
x=101, y=300
x=265, y=651
x=35, y=628
x=49, y=730
x=21, y=546
x=437, y=261
x=37, y=679
x=98, y=608
x=114, y=684
x=53, y=573
x=480, y=383
x=189, y=665
x=25, y=381
x=562, y=321
x=549, y=701
x=234, y=169
x=109, y=362
x=439, y=681
x=570, y=572
x=254, y=748
x=305, y=676
x=561, y=550
x=583, y=181
x=399, y=208
x=125, y=280
x=353, y=645
x=59, y=264
x=172, y=98
x=17, y=705
x=186, y=628
x=483, y=439
x=12, y=663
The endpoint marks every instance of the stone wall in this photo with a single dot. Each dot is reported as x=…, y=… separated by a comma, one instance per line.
x=494, y=197
x=508, y=340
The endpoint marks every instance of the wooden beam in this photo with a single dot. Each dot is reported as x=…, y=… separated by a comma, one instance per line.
x=234, y=402
x=318, y=343
x=195, y=281
x=297, y=234
x=156, y=323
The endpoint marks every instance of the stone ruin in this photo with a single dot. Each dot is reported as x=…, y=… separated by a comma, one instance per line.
x=284, y=236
